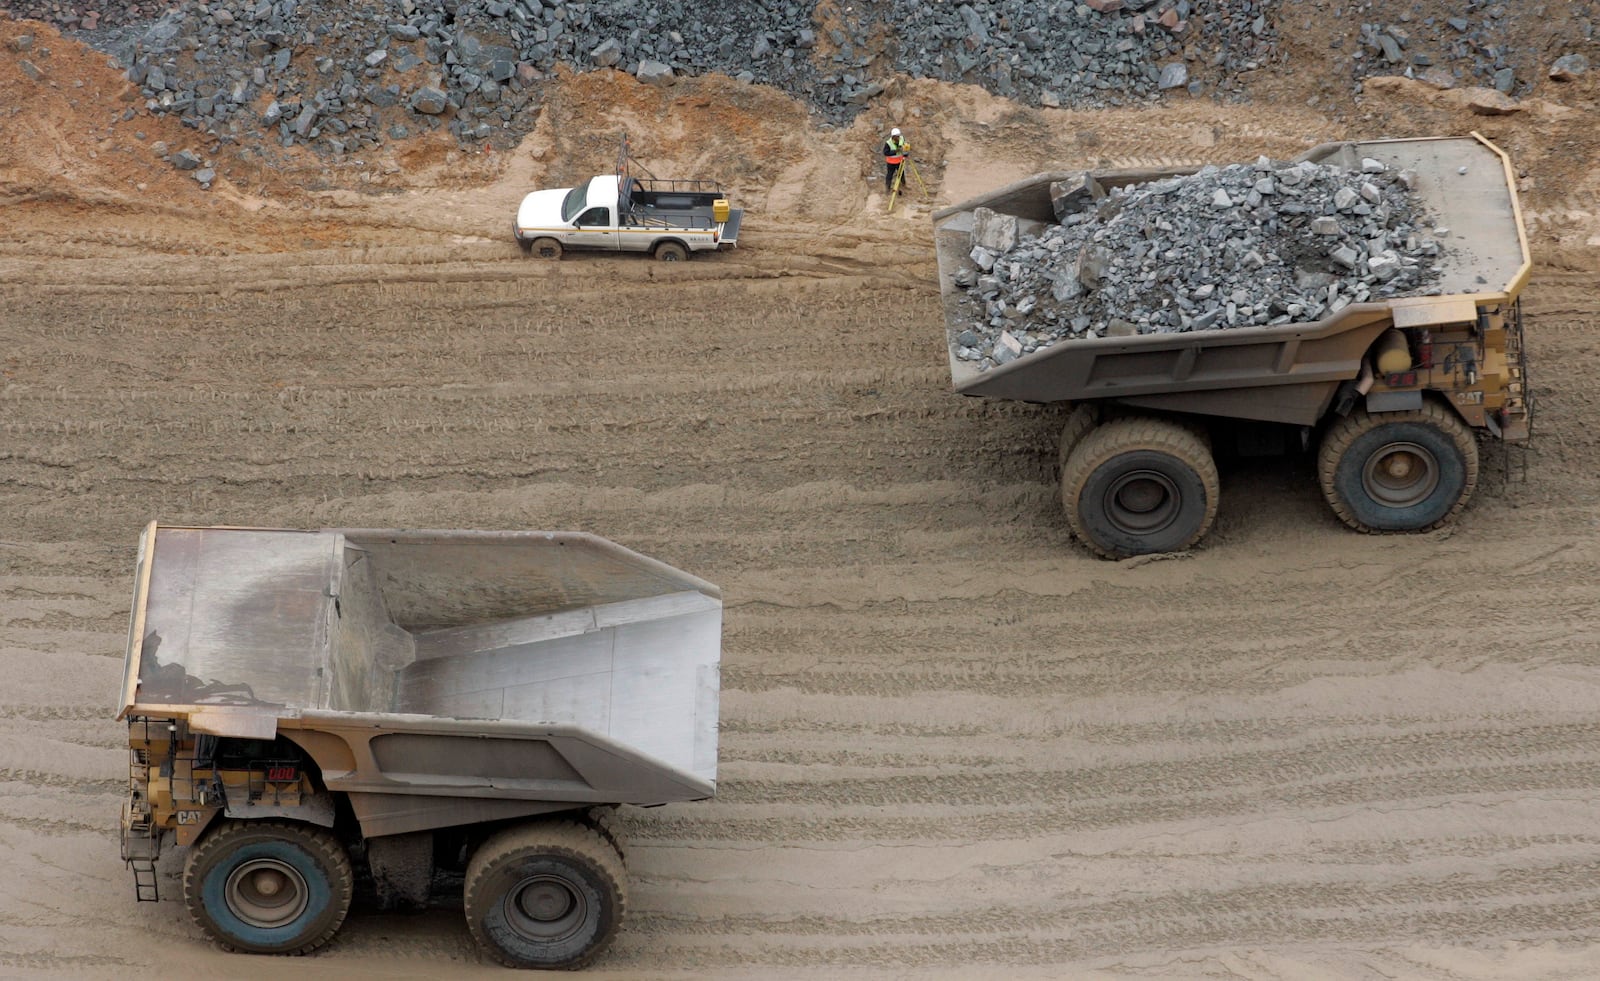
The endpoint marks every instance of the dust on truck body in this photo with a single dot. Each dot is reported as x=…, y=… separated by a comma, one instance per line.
x=309, y=710
x=1397, y=391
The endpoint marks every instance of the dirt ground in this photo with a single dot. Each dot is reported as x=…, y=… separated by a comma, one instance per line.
x=953, y=743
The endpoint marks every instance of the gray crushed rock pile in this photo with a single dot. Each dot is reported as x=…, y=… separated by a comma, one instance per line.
x=1474, y=47
x=1237, y=246
x=342, y=76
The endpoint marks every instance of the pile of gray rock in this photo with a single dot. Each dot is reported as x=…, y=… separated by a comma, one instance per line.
x=1083, y=53
x=343, y=75
x=1471, y=48
x=1237, y=246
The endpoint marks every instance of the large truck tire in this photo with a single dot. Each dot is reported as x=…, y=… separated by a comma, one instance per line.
x=545, y=895
x=672, y=252
x=1398, y=471
x=1080, y=423
x=268, y=887
x=1137, y=486
x=604, y=820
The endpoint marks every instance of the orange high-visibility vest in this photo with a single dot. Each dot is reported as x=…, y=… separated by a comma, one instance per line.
x=895, y=151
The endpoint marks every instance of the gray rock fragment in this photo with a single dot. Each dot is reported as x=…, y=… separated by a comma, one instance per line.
x=655, y=73
x=1067, y=197
x=607, y=54
x=1568, y=67
x=992, y=231
x=1384, y=266
x=429, y=101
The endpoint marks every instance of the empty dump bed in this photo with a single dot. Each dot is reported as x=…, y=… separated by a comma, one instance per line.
x=559, y=637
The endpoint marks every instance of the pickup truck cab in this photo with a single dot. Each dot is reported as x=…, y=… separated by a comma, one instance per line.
x=669, y=219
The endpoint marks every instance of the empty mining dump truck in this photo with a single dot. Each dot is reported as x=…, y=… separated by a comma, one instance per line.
x=315, y=713
x=1395, y=391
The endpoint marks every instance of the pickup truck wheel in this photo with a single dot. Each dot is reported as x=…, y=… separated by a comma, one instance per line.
x=1080, y=422
x=545, y=248
x=268, y=887
x=1398, y=471
x=546, y=895
x=671, y=252
x=1136, y=486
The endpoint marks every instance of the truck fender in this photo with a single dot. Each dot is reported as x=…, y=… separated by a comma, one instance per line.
x=1408, y=401
x=314, y=808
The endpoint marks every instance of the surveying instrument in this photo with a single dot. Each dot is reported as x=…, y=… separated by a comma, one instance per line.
x=909, y=166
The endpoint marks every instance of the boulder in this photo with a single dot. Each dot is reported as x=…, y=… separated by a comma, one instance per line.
x=655, y=73
x=608, y=54
x=994, y=232
x=1078, y=194
x=429, y=101
x=1488, y=102
x=1568, y=67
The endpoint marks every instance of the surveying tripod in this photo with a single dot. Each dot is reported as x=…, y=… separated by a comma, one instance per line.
x=900, y=177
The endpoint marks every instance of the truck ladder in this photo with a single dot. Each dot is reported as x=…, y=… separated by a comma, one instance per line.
x=141, y=846
x=1514, y=457
x=141, y=839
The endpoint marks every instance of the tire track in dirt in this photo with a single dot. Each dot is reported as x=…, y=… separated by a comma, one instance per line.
x=950, y=737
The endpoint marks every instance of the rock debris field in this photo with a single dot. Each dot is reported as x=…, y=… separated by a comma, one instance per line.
x=343, y=76
x=1237, y=246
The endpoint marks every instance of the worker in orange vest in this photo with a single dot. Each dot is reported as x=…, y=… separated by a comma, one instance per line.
x=895, y=150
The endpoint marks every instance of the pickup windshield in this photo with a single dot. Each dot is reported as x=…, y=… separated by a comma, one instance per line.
x=573, y=202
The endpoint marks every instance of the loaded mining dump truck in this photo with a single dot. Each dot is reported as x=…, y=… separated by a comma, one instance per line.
x=1362, y=297
x=405, y=713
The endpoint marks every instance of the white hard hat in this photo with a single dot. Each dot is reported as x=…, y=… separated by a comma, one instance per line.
x=895, y=131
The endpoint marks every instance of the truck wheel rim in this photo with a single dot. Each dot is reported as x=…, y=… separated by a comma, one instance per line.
x=545, y=908
x=1142, y=501
x=266, y=893
x=1400, y=475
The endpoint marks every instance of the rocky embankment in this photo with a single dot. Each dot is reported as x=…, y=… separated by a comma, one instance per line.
x=343, y=75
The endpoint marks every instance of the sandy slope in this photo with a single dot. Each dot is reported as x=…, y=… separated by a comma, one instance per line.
x=954, y=745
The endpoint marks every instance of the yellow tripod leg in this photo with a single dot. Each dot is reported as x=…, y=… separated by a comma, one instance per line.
x=918, y=175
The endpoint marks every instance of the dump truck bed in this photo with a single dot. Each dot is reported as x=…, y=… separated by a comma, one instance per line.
x=1465, y=183
x=482, y=668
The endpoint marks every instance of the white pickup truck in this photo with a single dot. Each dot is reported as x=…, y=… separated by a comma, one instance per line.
x=668, y=219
